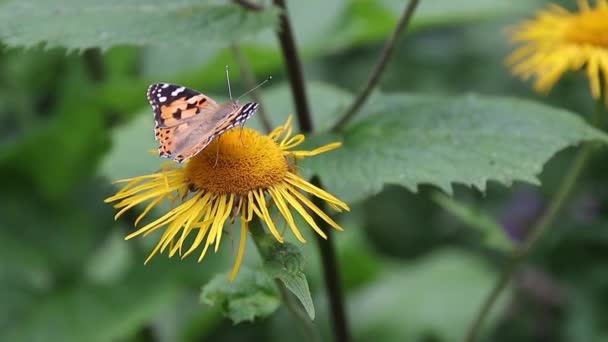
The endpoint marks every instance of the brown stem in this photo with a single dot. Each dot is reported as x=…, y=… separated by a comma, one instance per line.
x=326, y=247
x=252, y=6
x=251, y=83
x=374, y=77
x=331, y=274
x=294, y=68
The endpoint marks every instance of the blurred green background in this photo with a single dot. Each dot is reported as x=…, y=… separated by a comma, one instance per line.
x=71, y=122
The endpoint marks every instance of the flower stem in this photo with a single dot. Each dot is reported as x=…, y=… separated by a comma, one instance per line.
x=521, y=252
x=294, y=307
x=331, y=272
x=294, y=68
x=374, y=77
x=329, y=263
x=94, y=64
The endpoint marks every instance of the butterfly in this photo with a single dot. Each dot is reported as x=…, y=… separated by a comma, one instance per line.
x=186, y=121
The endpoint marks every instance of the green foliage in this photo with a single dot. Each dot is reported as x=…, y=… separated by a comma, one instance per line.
x=412, y=140
x=249, y=296
x=494, y=235
x=371, y=20
x=80, y=24
x=284, y=261
x=432, y=299
x=79, y=313
x=70, y=124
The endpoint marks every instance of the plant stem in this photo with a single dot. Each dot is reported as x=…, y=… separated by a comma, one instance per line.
x=294, y=307
x=329, y=263
x=520, y=254
x=294, y=68
x=374, y=77
x=544, y=222
x=251, y=83
x=252, y=6
x=94, y=64
x=331, y=274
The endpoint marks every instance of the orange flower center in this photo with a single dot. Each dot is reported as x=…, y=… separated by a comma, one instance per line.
x=240, y=161
x=589, y=28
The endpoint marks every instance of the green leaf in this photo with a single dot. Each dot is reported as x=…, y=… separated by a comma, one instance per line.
x=79, y=24
x=252, y=294
x=366, y=21
x=131, y=144
x=450, y=12
x=285, y=262
x=411, y=140
x=75, y=137
x=88, y=312
x=432, y=299
x=494, y=234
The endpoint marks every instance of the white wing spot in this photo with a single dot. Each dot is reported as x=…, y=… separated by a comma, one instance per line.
x=165, y=86
x=177, y=91
x=162, y=98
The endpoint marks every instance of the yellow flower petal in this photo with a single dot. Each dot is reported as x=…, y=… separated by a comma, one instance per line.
x=558, y=41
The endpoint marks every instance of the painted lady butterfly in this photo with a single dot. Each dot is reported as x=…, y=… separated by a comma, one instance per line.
x=187, y=120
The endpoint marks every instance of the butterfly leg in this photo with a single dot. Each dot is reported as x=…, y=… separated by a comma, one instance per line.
x=241, y=134
x=217, y=153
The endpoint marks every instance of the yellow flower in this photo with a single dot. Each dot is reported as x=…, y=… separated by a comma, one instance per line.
x=241, y=174
x=557, y=41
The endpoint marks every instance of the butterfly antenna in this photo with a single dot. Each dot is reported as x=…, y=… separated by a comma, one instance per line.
x=228, y=80
x=256, y=87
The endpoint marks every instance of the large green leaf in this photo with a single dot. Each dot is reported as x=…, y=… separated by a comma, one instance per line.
x=433, y=299
x=372, y=20
x=251, y=295
x=89, y=312
x=493, y=233
x=79, y=24
x=411, y=140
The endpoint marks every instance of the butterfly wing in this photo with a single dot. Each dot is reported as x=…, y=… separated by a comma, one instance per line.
x=173, y=104
x=202, y=130
x=175, y=110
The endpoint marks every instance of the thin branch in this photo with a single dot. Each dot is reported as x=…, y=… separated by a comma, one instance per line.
x=94, y=64
x=328, y=255
x=374, y=77
x=558, y=201
x=537, y=231
x=251, y=83
x=331, y=274
x=252, y=6
x=294, y=68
